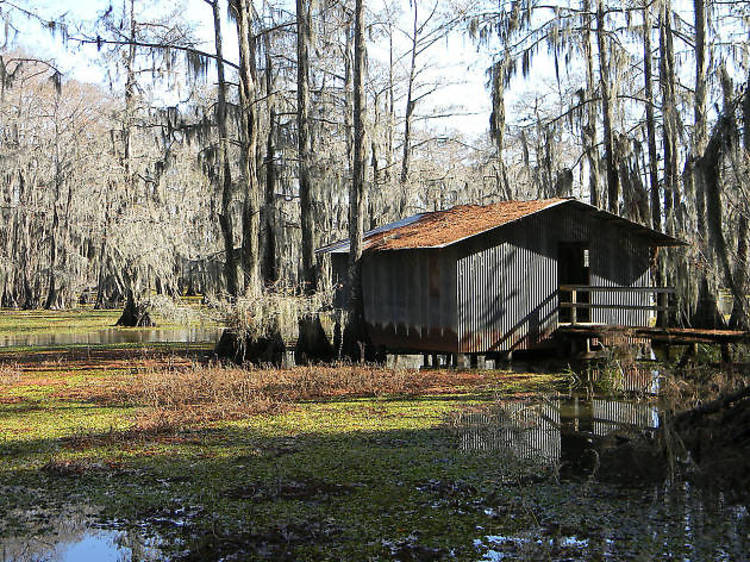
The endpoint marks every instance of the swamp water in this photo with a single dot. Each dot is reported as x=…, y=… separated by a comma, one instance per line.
x=114, y=336
x=72, y=537
x=615, y=512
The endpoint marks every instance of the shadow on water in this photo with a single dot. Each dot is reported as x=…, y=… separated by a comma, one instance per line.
x=72, y=537
x=580, y=440
x=113, y=336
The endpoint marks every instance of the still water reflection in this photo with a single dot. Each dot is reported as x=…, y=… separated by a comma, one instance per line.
x=622, y=518
x=70, y=537
x=540, y=430
x=110, y=336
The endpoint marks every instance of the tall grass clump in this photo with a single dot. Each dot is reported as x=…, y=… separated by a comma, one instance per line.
x=618, y=371
x=9, y=374
x=211, y=392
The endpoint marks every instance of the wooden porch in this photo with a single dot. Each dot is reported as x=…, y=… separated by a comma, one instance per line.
x=660, y=334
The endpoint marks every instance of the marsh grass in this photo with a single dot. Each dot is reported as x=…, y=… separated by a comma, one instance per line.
x=619, y=371
x=10, y=374
x=687, y=387
x=214, y=392
x=357, y=462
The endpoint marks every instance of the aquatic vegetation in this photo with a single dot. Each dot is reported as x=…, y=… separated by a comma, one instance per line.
x=189, y=459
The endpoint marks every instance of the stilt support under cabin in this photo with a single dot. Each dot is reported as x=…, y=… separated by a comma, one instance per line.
x=462, y=361
x=288, y=359
x=403, y=361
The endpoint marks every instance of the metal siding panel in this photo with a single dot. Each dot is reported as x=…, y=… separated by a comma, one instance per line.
x=499, y=291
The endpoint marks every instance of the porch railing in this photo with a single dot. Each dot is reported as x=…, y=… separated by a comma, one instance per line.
x=575, y=304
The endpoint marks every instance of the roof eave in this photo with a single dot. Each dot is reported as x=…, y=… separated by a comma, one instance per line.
x=664, y=240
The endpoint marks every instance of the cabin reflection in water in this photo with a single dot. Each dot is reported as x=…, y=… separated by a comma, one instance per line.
x=551, y=430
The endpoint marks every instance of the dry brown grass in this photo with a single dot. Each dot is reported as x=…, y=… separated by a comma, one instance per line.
x=172, y=392
x=9, y=374
x=205, y=393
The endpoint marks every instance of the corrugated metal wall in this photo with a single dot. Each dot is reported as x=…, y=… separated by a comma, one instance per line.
x=507, y=298
x=619, y=260
x=410, y=299
x=507, y=280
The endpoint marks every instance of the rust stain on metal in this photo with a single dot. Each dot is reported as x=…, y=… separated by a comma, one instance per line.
x=428, y=339
x=440, y=228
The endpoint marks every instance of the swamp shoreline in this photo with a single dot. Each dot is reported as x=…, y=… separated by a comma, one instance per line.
x=156, y=452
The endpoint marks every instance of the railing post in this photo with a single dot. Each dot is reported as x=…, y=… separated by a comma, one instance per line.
x=573, y=311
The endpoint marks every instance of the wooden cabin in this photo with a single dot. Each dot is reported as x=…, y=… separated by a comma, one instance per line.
x=481, y=279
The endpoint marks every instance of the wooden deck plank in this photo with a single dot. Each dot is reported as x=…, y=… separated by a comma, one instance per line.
x=677, y=336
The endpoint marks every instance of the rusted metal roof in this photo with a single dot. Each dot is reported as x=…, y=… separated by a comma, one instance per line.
x=442, y=228
x=342, y=246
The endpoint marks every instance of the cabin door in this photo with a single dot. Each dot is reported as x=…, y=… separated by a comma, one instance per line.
x=573, y=269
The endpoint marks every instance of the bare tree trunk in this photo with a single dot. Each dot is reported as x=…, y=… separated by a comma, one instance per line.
x=348, y=99
x=709, y=166
x=307, y=209
x=391, y=107
x=130, y=281
x=135, y=314
x=52, y=287
x=589, y=128
x=707, y=310
x=700, y=128
x=357, y=334
x=613, y=179
x=406, y=153
x=739, y=318
x=653, y=157
x=225, y=174
x=667, y=83
x=130, y=107
x=497, y=121
x=268, y=268
x=251, y=203
x=372, y=219
x=103, y=250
